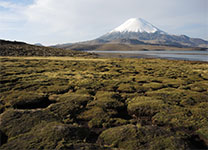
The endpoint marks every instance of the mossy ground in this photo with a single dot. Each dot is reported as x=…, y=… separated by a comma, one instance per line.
x=90, y=103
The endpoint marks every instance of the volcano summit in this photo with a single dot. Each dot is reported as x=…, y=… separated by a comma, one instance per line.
x=136, y=25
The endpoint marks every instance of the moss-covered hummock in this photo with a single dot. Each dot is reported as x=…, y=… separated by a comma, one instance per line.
x=16, y=122
x=53, y=135
x=145, y=106
x=131, y=137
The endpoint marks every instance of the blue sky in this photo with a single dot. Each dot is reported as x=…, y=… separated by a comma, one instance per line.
x=63, y=21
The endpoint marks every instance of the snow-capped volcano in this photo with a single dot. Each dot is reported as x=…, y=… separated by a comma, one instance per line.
x=143, y=31
x=137, y=31
x=134, y=28
x=136, y=25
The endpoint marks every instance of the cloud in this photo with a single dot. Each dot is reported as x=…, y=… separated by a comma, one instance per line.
x=49, y=14
x=9, y=5
x=11, y=17
x=54, y=21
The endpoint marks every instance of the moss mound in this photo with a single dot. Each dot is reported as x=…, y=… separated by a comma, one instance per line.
x=132, y=137
x=52, y=135
x=69, y=105
x=26, y=100
x=107, y=100
x=145, y=106
x=15, y=122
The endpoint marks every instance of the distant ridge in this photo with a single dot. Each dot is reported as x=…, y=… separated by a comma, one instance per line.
x=38, y=44
x=14, y=48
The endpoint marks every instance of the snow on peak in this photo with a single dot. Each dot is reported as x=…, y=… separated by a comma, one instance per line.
x=136, y=25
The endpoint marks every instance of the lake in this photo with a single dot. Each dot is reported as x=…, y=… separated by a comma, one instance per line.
x=176, y=55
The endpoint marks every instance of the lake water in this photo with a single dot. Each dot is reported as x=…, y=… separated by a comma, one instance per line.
x=177, y=55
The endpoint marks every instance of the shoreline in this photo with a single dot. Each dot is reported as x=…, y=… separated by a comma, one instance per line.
x=172, y=56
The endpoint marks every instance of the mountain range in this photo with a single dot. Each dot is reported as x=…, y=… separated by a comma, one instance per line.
x=138, y=34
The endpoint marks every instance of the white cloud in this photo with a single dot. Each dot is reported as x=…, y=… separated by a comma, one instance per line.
x=55, y=21
x=9, y=5
x=11, y=18
x=49, y=15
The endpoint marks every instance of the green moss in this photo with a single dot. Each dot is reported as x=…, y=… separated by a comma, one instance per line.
x=168, y=95
x=23, y=99
x=15, y=122
x=69, y=105
x=84, y=91
x=195, y=76
x=173, y=73
x=144, y=106
x=142, y=79
x=55, y=89
x=96, y=116
x=131, y=137
x=117, y=122
x=182, y=118
x=48, y=136
x=94, y=112
x=188, y=101
x=153, y=86
x=199, y=86
x=193, y=98
x=170, y=143
x=173, y=83
x=114, y=137
x=203, y=132
x=204, y=75
x=129, y=96
x=126, y=87
x=107, y=100
x=97, y=122
x=110, y=85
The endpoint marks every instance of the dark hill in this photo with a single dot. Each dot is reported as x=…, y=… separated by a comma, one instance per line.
x=14, y=48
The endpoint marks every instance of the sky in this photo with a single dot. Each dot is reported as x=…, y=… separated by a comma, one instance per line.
x=51, y=22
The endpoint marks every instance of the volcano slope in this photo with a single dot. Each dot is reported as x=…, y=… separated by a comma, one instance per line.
x=101, y=103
